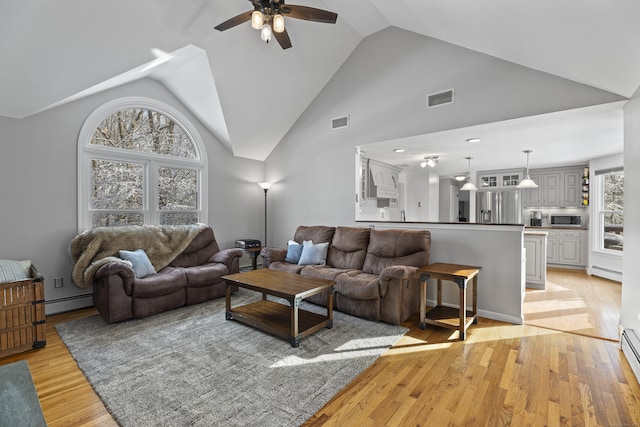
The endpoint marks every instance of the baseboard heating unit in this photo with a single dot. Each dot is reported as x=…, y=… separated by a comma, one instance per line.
x=630, y=344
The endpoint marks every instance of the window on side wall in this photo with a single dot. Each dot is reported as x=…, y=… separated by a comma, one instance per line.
x=140, y=162
x=610, y=219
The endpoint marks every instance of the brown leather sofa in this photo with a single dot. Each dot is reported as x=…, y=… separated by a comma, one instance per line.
x=375, y=270
x=192, y=277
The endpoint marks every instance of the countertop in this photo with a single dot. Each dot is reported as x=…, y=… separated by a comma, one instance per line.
x=530, y=232
x=553, y=227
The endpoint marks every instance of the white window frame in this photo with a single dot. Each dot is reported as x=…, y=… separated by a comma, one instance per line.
x=151, y=161
x=599, y=212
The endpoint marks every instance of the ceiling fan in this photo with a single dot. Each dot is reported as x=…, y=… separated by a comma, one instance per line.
x=268, y=17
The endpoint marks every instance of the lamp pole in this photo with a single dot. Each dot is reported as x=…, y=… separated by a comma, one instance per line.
x=265, y=186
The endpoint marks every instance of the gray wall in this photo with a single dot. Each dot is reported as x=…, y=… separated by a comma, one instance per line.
x=383, y=87
x=38, y=188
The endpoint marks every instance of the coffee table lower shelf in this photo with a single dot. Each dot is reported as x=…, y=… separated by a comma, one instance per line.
x=276, y=319
x=448, y=317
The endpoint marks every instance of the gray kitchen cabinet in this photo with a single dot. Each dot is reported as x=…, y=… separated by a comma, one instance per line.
x=557, y=188
x=532, y=197
x=500, y=179
x=573, y=188
x=551, y=189
x=566, y=247
x=535, y=244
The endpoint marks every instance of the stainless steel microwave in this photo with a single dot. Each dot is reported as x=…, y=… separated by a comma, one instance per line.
x=566, y=220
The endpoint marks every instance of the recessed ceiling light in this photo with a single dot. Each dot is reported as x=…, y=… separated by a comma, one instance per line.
x=473, y=140
x=398, y=150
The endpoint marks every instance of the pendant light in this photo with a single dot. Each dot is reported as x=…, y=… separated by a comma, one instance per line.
x=527, y=182
x=469, y=186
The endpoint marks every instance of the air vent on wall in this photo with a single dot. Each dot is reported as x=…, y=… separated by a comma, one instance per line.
x=440, y=98
x=340, y=122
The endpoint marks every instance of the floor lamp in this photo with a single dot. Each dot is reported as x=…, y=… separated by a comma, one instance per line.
x=265, y=186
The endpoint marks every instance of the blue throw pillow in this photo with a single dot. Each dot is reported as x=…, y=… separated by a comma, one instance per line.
x=294, y=250
x=140, y=261
x=313, y=254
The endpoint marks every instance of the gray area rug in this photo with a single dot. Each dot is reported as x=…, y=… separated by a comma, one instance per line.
x=19, y=404
x=191, y=367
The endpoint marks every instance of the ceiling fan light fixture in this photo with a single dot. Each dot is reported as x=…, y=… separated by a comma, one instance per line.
x=278, y=23
x=257, y=20
x=265, y=33
x=460, y=177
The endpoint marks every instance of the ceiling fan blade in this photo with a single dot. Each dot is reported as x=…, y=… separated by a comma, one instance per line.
x=309, y=14
x=283, y=39
x=236, y=20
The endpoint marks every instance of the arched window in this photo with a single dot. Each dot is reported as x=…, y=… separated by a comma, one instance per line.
x=140, y=162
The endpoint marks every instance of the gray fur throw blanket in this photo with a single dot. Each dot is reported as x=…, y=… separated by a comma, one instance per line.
x=99, y=246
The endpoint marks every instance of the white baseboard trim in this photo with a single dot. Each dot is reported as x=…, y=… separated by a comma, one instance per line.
x=568, y=266
x=500, y=317
x=62, y=305
x=630, y=345
x=606, y=273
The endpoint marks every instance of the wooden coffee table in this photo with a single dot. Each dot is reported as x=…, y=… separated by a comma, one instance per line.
x=289, y=322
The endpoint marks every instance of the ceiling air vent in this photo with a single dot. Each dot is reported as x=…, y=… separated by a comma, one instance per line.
x=440, y=98
x=340, y=122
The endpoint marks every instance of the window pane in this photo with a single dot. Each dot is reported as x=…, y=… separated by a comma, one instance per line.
x=117, y=219
x=116, y=185
x=614, y=191
x=149, y=131
x=177, y=189
x=613, y=231
x=178, y=218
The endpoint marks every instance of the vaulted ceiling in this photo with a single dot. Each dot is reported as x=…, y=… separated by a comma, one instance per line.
x=248, y=93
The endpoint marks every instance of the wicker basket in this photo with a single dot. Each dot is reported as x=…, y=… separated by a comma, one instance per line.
x=22, y=318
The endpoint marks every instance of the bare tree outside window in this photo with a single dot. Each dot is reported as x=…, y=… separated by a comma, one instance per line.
x=116, y=185
x=144, y=130
x=612, y=213
x=123, y=192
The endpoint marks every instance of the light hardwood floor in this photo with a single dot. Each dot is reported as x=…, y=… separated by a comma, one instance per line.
x=501, y=375
x=573, y=301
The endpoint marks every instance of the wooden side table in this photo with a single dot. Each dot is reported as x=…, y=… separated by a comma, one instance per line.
x=444, y=316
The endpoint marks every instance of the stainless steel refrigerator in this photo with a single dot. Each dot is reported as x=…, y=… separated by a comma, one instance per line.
x=499, y=207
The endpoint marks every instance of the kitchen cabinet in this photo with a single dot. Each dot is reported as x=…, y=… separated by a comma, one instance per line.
x=557, y=187
x=551, y=189
x=573, y=188
x=378, y=180
x=532, y=197
x=535, y=245
x=500, y=179
x=566, y=247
